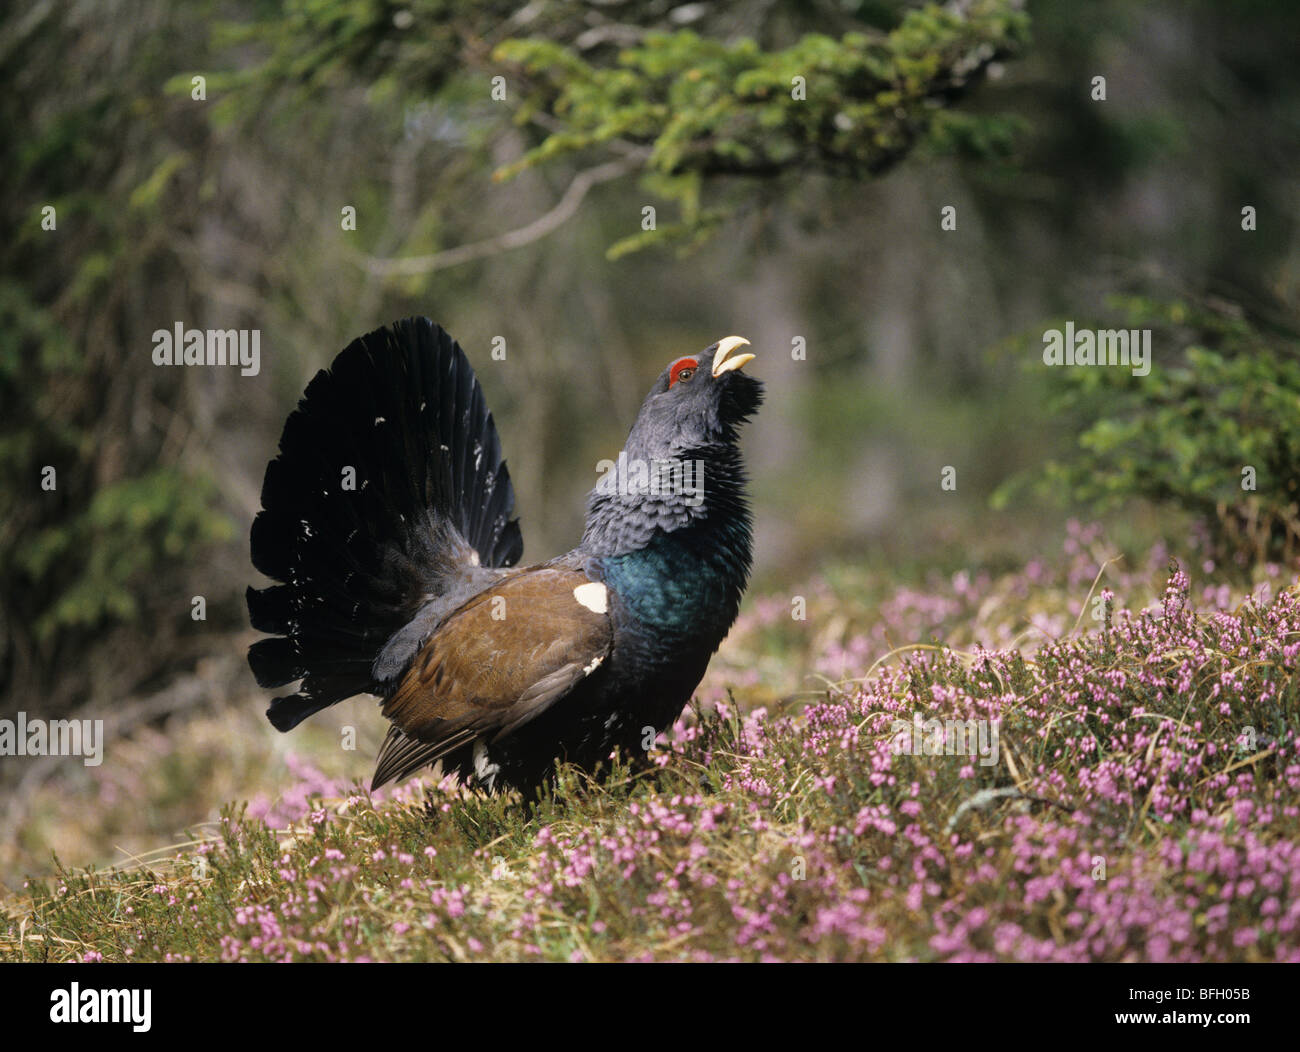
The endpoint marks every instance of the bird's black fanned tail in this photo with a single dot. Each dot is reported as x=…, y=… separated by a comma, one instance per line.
x=389, y=473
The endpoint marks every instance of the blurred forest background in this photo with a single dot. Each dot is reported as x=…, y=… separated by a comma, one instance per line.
x=798, y=155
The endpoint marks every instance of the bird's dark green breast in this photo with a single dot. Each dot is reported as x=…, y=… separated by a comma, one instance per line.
x=685, y=584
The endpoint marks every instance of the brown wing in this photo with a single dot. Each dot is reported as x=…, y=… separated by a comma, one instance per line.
x=494, y=664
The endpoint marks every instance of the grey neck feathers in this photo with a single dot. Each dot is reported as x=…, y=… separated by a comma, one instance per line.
x=636, y=500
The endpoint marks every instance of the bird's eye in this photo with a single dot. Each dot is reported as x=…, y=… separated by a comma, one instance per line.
x=682, y=369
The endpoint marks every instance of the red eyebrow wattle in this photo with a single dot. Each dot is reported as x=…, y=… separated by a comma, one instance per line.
x=678, y=366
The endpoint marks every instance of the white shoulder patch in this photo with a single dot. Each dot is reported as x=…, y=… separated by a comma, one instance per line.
x=593, y=595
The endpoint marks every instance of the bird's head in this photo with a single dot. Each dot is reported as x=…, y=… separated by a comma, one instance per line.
x=681, y=464
x=697, y=402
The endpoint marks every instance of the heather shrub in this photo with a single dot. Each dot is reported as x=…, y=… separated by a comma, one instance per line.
x=1135, y=796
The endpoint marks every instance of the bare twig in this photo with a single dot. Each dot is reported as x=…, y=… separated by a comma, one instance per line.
x=985, y=797
x=186, y=692
x=541, y=226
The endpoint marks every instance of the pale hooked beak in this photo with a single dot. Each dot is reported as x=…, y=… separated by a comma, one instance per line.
x=723, y=364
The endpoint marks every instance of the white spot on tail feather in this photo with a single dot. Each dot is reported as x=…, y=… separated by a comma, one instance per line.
x=593, y=595
x=595, y=664
x=484, y=769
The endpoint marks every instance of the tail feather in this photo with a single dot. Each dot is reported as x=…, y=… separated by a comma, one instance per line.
x=389, y=474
